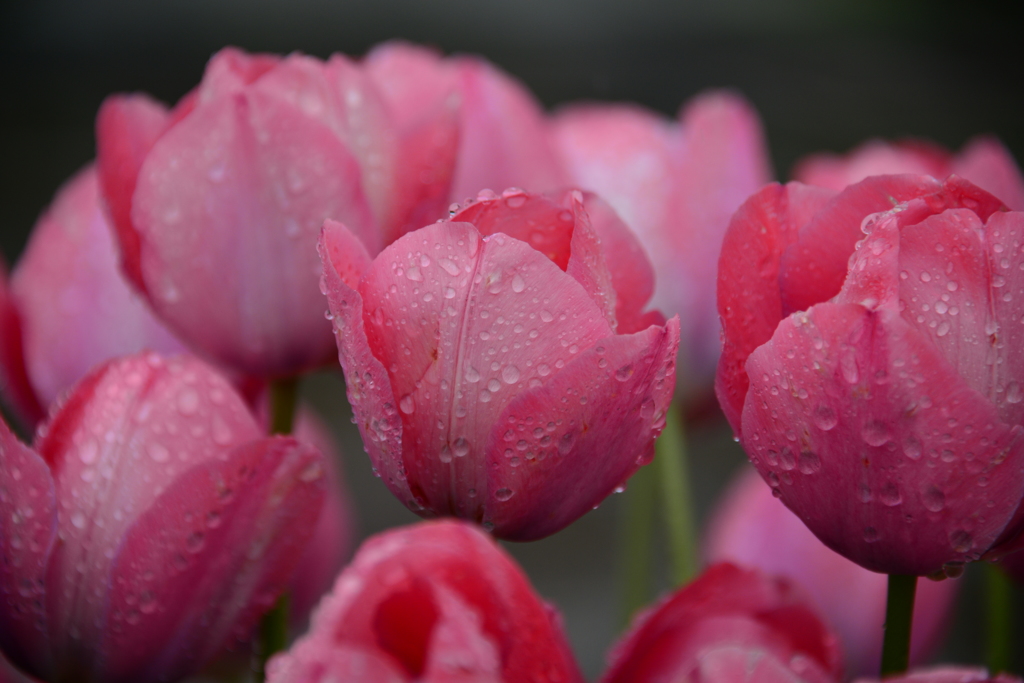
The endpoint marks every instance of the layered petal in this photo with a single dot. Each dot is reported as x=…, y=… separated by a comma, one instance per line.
x=752, y=528
x=989, y=165
x=67, y=286
x=874, y=157
x=949, y=674
x=15, y=386
x=728, y=615
x=435, y=602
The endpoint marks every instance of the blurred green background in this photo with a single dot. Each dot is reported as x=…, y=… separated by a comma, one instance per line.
x=823, y=75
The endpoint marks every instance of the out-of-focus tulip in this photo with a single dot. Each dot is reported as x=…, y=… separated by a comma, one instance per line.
x=503, y=138
x=218, y=203
x=729, y=625
x=872, y=364
x=984, y=161
x=751, y=528
x=149, y=526
x=947, y=674
x=15, y=386
x=75, y=307
x=483, y=365
x=675, y=184
x=437, y=602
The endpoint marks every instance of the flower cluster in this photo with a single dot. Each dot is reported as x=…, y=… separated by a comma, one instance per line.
x=510, y=358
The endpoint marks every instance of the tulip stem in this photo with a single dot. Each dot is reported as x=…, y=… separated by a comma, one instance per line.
x=1000, y=620
x=637, y=534
x=284, y=394
x=672, y=464
x=899, y=610
x=273, y=635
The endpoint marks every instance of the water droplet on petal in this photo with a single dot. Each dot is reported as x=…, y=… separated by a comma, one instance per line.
x=510, y=374
x=825, y=418
x=407, y=404
x=1014, y=393
x=934, y=499
x=503, y=494
x=518, y=284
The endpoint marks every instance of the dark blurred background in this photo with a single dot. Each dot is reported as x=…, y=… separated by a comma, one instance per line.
x=824, y=75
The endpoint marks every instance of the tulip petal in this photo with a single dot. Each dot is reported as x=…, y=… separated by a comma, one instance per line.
x=884, y=398
x=337, y=662
x=413, y=79
x=1004, y=236
x=504, y=140
x=459, y=337
x=15, y=387
x=28, y=529
x=229, y=207
x=67, y=286
x=209, y=557
x=561, y=448
x=988, y=164
x=874, y=157
x=749, y=301
x=127, y=127
x=230, y=70
x=126, y=431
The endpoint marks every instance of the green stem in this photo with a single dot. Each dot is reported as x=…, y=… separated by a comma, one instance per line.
x=899, y=610
x=284, y=395
x=677, y=502
x=1000, y=620
x=636, y=542
x=273, y=635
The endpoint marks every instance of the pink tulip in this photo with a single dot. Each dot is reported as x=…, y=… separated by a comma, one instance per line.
x=872, y=364
x=502, y=134
x=729, y=625
x=984, y=161
x=15, y=386
x=218, y=203
x=486, y=375
x=438, y=602
x=948, y=674
x=675, y=184
x=751, y=528
x=150, y=525
x=75, y=307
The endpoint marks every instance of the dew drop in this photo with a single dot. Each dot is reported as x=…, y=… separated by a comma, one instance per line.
x=472, y=376
x=158, y=452
x=510, y=374
x=809, y=462
x=876, y=433
x=890, y=495
x=88, y=451
x=78, y=520
x=825, y=418
x=1014, y=393
x=518, y=284
x=961, y=540
x=943, y=329
x=870, y=534
x=407, y=404
x=493, y=385
x=624, y=373
x=503, y=494
x=461, y=447
x=934, y=499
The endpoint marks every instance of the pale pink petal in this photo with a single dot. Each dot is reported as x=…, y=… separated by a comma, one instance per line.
x=947, y=674
x=126, y=432
x=874, y=157
x=67, y=286
x=461, y=335
x=460, y=649
x=15, y=386
x=336, y=662
x=561, y=448
x=738, y=664
x=413, y=79
x=229, y=207
x=367, y=385
x=989, y=165
x=752, y=528
x=28, y=529
x=503, y=138
x=883, y=399
x=749, y=300
x=346, y=252
x=127, y=127
x=230, y=70
x=202, y=564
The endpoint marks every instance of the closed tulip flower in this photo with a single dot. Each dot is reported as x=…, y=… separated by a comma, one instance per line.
x=486, y=367
x=752, y=528
x=675, y=184
x=67, y=286
x=437, y=602
x=218, y=202
x=947, y=674
x=984, y=161
x=149, y=526
x=730, y=625
x=872, y=365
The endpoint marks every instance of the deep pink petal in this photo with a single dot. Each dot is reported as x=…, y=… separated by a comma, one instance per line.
x=948, y=674
x=749, y=300
x=721, y=160
x=229, y=207
x=126, y=432
x=885, y=403
x=15, y=387
x=503, y=139
x=67, y=286
x=561, y=448
x=28, y=529
x=367, y=384
x=206, y=560
x=127, y=127
x=463, y=324
x=875, y=157
x=752, y=528
x=989, y=165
